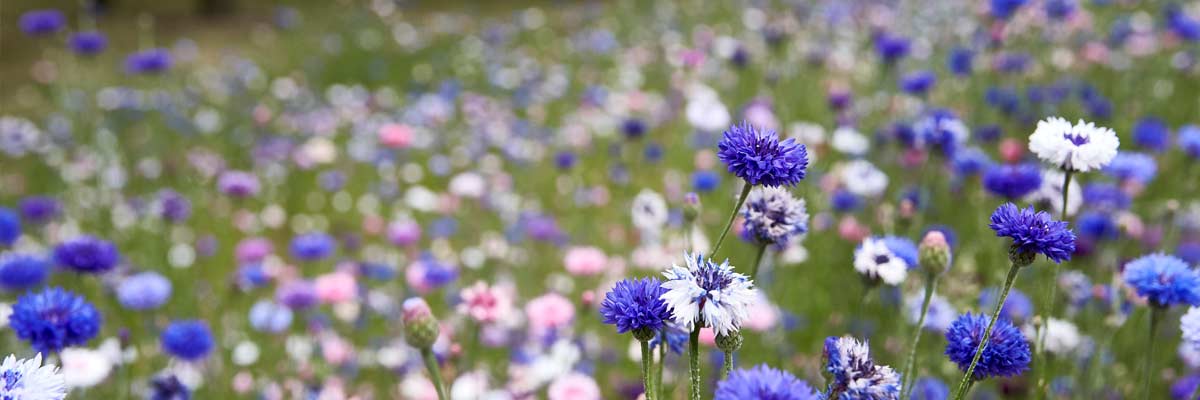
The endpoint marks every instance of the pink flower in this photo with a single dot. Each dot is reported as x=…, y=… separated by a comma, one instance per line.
x=585, y=261
x=574, y=386
x=763, y=315
x=1011, y=150
x=708, y=337
x=335, y=350
x=253, y=249
x=414, y=308
x=404, y=233
x=851, y=230
x=396, y=136
x=336, y=287
x=485, y=304
x=548, y=312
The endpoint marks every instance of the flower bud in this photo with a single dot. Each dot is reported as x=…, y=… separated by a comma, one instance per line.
x=730, y=343
x=934, y=253
x=691, y=207
x=420, y=327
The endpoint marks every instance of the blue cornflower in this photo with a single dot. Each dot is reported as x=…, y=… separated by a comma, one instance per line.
x=564, y=160
x=189, y=340
x=843, y=200
x=633, y=128
x=150, y=61
x=763, y=383
x=1182, y=24
x=942, y=129
x=1017, y=307
x=144, y=291
x=890, y=47
x=855, y=375
x=1135, y=167
x=676, y=337
x=903, y=248
x=39, y=209
x=1152, y=134
x=1033, y=232
x=28, y=379
x=1059, y=9
x=1097, y=226
x=773, y=216
x=88, y=43
x=312, y=246
x=10, y=227
x=168, y=387
x=971, y=161
x=22, y=271
x=87, y=254
x=1003, y=9
x=759, y=157
x=1163, y=280
x=53, y=319
x=1183, y=388
x=918, y=82
x=1006, y=353
x=42, y=22
x=173, y=206
x=704, y=181
x=1004, y=99
x=1189, y=140
x=1189, y=252
x=961, y=61
x=1013, y=181
x=930, y=388
x=1105, y=197
x=269, y=316
x=636, y=306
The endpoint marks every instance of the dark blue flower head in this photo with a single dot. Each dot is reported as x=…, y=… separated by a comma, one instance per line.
x=22, y=271
x=704, y=181
x=1034, y=232
x=168, y=387
x=1017, y=307
x=1105, y=197
x=189, y=340
x=961, y=61
x=941, y=129
x=1163, y=280
x=39, y=209
x=1013, y=181
x=1133, y=167
x=1189, y=252
x=763, y=383
x=1096, y=226
x=633, y=128
x=1152, y=134
x=971, y=161
x=1004, y=99
x=151, y=61
x=87, y=254
x=144, y=291
x=564, y=160
x=42, y=22
x=1189, y=140
x=1182, y=24
x=312, y=246
x=843, y=200
x=10, y=227
x=760, y=158
x=918, y=82
x=53, y=319
x=1003, y=9
x=1006, y=354
x=634, y=305
x=88, y=43
x=173, y=206
x=1059, y=9
x=890, y=47
x=930, y=388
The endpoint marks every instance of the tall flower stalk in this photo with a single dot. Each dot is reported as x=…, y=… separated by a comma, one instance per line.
x=934, y=256
x=969, y=377
x=1164, y=281
x=421, y=330
x=636, y=306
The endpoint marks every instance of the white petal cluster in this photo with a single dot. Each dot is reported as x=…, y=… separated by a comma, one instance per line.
x=874, y=260
x=1081, y=147
x=708, y=293
x=30, y=380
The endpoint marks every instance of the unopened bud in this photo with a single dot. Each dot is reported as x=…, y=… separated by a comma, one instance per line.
x=934, y=253
x=691, y=207
x=730, y=343
x=420, y=327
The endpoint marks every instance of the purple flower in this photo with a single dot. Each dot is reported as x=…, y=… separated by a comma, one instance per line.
x=312, y=246
x=22, y=271
x=1006, y=352
x=238, y=184
x=10, y=227
x=144, y=291
x=189, y=340
x=87, y=254
x=53, y=319
x=759, y=157
x=1013, y=181
x=88, y=43
x=39, y=209
x=1034, y=232
x=1152, y=134
x=763, y=383
x=42, y=22
x=1163, y=280
x=146, y=62
x=635, y=305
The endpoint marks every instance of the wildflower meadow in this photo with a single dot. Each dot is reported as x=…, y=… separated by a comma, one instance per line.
x=578, y=200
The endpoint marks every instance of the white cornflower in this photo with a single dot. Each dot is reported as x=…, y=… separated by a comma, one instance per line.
x=774, y=216
x=649, y=211
x=84, y=368
x=708, y=293
x=1062, y=337
x=1190, y=325
x=30, y=380
x=706, y=112
x=863, y=179
x=1081, y=148
x=874, y=260
x=846, y=140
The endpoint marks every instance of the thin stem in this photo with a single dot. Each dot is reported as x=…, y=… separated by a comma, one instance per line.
x=931, y=284
x=662, y=359
x=694, y=361
x=435, y=373
x=1066, y=191
x=1051, y=297
x=647, y=381
x=732, y=216
x=1155, y=315
x=727, y=367
x=757, y=260
x=987, y=334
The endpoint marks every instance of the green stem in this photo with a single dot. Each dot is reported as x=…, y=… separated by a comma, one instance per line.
x=732, y=216
x=1066, y=189
x=1155, y=315
x=435, y=374
x=647, y=380
x=662, y=359
x=727, y=367
x=694, y=361
x=912, y=351
x=987, y=334
x=757, y=260
x=1051, y=298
